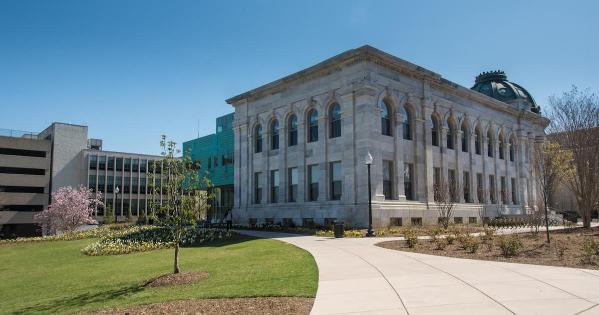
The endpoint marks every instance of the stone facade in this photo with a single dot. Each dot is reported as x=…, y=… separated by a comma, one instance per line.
x=364, y=84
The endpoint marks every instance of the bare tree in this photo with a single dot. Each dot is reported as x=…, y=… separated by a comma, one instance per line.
x=551, y=164
x=575, y=126
x=445, y=197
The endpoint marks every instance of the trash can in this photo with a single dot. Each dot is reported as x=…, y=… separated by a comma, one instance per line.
x=338, y=229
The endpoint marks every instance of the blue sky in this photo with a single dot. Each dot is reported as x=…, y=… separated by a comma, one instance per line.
x=132, y=70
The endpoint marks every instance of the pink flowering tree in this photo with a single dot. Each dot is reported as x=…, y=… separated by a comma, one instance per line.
x=69, y=209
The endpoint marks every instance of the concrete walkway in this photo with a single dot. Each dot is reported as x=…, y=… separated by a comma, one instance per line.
x=356, y=277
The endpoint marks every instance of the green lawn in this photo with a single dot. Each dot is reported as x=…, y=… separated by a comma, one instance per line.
x=54, y=277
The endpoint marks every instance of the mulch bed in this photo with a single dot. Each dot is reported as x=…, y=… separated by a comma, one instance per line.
x=176, y=279
x=535, y=249
x=238, y=306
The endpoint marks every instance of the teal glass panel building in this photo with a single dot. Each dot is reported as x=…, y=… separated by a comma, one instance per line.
x=215, y=153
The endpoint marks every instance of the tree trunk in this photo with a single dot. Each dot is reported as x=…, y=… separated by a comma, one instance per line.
x=547, y=222
x=176, y=269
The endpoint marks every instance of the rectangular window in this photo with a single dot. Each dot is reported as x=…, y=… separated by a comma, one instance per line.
x=466, y=185
x=492, y=188
x=479, y=188
x=110, y=163
x=135, y=165
x=451, y=181
x=257, y=188
x=101, y=183
x=119, y=164
x=118, y=183
x=388, y=179
x=292, y=181
x=22, y=170
x=134, y=185
x=514, y=199
x=92, y=182
x=127, y=165
x=142, y=186
x=313, y=179
x=503, y=191
x=335, y=128
x=127, y=185
x=274, y=186
x=336, y=180
x=126, y=207
x=158, y=167
x=143, y=166
x=19, y=152
x=408, y=181
x=102, y=162
x=110, y=186
x=22, y=189
x=134, y=210
x=436, y=180
x=93, y=162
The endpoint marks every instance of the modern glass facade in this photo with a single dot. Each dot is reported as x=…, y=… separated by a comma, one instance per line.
x=215, y=153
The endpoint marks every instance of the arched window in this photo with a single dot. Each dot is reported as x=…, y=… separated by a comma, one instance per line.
x=407, y=123
x=292, y=128
x=465, y=136
x=501, y=147
x=313, y=126
x=450, y=134
x=478, y=138
x=258, y=139
x=490, y=143
x=335, y=121
x=274, y=135
x=385, y=119
x=435, y=131
x=512, y=149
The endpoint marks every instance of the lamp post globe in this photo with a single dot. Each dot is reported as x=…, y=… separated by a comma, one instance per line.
x=368, y=161
x=116, y=197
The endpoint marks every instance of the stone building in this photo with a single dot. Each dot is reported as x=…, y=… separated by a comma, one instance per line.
x=301, y=142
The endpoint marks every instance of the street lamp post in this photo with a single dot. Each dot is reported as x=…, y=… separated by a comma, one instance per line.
x=368, y=162
x=116, y=196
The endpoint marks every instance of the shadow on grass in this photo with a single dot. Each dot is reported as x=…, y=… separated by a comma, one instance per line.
x=68, y=303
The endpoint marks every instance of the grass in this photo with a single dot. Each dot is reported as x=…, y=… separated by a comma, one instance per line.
x=55, y=277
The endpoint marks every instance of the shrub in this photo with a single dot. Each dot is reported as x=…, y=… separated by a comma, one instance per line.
x=441, y=243
x=589, y=250
x=433, y=233
x=450, y=239
x=411, y=238
x=470, y=243
x=510, y=245
x=561, y=247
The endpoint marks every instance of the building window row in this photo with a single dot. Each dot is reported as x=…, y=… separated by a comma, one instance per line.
x=292, y=132
x=111, y=163
x=127, y=185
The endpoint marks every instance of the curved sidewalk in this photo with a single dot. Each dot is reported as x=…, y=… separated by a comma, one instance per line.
x=357, y=277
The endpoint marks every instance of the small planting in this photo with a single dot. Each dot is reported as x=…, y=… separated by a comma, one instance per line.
x=440, y=243
x=589, y=251
x=470, y=243
x=510, y=245
x=411, y=238
x=434, y=234
x=450, y=239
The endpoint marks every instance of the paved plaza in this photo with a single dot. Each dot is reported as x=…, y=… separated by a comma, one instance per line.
x=356, y=277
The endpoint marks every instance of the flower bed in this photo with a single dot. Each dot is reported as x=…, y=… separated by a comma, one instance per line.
x=577, y=248
x=147, y=238
x=101, y=231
